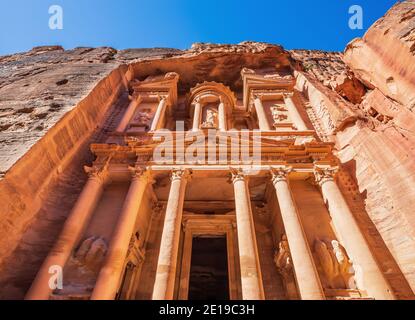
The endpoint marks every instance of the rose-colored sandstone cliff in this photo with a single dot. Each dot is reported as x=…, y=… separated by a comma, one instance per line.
x=52, y=103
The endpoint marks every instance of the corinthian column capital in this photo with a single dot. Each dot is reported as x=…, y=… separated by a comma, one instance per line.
x=138, y=172
x=98, y=172
x=324, y=173
x=280, y=173
x=180, y=173
x=237, y=174
x=161, y=97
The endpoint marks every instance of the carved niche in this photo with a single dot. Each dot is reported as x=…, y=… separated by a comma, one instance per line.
x=211, y=119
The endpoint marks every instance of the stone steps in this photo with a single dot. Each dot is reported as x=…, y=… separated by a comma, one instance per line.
x=70, y=296
x=345, y=294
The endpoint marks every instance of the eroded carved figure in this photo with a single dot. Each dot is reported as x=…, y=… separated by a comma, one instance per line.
x=279, y=114
x=282, y=257
x=283, y=261
x=142, y=119
x=91, y=253
x=335, y=264
x=211, y=116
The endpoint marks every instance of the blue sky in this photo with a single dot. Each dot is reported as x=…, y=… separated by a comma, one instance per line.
x=309, y=24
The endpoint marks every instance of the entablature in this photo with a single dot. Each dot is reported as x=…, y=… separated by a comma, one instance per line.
x=267, y=86
x=155, y=88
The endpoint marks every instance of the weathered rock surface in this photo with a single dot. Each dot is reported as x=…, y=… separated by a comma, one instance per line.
x=330, y=69
x=381, y=147
x=385, y=57
x=39, y=87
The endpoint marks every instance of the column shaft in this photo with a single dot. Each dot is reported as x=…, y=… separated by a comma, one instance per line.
x=169, y=246
x=109, y=277
x=305, y=270
x=197, y=116
x=69, y=236
x=252, y=288
x=128, y=114
x=294, y=114
x=358, y=249
x=158, y=117
x=222, y=117
x=262, y=117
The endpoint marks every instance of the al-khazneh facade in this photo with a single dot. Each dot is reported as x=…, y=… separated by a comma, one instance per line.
x=159, y=209
x=301, y=221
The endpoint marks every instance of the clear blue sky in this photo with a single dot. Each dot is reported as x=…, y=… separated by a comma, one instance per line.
x=310, y=24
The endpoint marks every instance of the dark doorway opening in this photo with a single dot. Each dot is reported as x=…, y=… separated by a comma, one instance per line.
x=209, y=269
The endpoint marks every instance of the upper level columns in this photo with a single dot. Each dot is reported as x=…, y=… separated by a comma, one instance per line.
x=262, y=117
x=71, y=232
x=135, y=102
x=197, y=115
x=169, y=246
x=108, y=279
x=252, y=288
x=305, y=271
x=222, y=116
x=294, y=114
x=364, y=263
x=159, y=115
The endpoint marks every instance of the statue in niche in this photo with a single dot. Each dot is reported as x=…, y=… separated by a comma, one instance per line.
x=336, y=266
x=142, y=119
x=211, y=116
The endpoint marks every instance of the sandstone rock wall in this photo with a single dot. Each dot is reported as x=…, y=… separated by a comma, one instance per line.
x=53, y=103
x=385, y=57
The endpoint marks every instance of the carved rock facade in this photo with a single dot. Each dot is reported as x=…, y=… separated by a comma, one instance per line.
x=326, y=213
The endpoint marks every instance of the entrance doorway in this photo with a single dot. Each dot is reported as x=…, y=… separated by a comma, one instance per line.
x=209, y=279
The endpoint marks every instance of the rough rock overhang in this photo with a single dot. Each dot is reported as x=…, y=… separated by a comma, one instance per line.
x=220, y=63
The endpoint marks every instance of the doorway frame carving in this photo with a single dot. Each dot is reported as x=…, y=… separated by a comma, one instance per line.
x=210, y=225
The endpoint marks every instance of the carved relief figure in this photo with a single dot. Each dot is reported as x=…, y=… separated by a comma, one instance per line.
x=142, y=119
x=282, y=259
x=334, y=262
x=91, y=253
x=279, y=114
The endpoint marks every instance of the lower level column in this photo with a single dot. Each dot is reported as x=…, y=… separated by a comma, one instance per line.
x=308, y=281
x=70, y=234
x=251, y=279
x=109, y=277
x=169, y=246
x=357, y=248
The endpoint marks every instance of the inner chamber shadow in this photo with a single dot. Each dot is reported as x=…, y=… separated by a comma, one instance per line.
x=209, y=269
